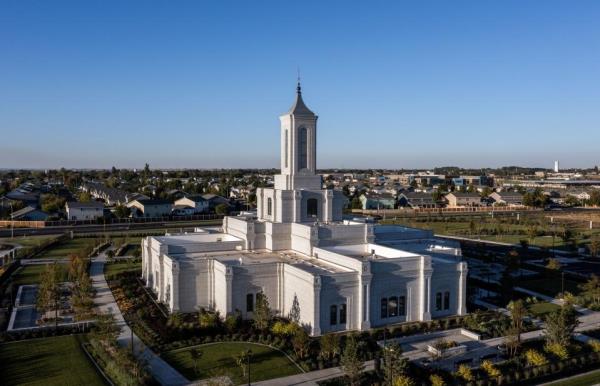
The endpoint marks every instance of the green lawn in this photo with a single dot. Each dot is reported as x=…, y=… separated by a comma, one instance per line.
x=30, y=274
x=541, y=309
x=63, y=250
x=217, y=359
x=122, y=266
x=591, y=378
x=49, y=361
x=27, y=241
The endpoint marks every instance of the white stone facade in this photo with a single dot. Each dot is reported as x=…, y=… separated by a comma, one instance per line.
x=298, y=251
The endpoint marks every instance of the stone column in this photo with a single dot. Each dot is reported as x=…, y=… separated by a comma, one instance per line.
x=462, y=289
x=425, y=288
x=229, y=280
x=317, y=306
x=365, y=296
x=175, y=287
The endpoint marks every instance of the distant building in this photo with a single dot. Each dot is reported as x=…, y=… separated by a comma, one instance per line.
x=150, y=208
x=377, y=201
x=556, y=167
x=417, y=200
x=214, y=200
x=196, y=202
x=461, y=200
x=29, y=214
x=507, y=198
x=84, y=210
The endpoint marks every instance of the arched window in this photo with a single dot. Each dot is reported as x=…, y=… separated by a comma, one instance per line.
x=302, y=148
x=269, y=206
x=333, y=315
x=438, y=301
x=384, y=308
x=250, y=302
x=343, y=313
x=392, y=306
x=446, y=300
x=312, y=207
x=402, y=305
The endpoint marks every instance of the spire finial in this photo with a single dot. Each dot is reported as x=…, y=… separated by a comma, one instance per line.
x=299, y=88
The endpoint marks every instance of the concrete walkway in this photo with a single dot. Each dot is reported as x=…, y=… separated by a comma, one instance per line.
x=105, y=302
x=310, y=378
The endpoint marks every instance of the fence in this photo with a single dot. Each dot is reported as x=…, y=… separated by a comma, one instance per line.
x=471, y=209
x=110, y=221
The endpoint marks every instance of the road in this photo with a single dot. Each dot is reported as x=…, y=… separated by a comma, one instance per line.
x=95, y=228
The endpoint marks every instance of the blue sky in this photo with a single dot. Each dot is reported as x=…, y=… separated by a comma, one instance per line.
x=395, y=84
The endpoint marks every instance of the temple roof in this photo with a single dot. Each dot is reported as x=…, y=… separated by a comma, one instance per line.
x=299, y=108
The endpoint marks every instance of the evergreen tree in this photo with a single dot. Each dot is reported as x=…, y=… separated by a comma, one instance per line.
x=351, y=362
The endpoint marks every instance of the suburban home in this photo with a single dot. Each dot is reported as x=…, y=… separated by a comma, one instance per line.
x=461, y=200
x=214, y=200
x=182, y=210
x=196, y=202
x=150, y=208
x=417, y=200
x=507, y=198
x=377, y=201
x=29, y=213
x=84, y=210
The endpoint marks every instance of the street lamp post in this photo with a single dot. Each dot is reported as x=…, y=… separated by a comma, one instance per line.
x=249, y=353
x=12, y=224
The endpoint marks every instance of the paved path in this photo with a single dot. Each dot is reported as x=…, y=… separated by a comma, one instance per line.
x=105, y=302
x=310, y=378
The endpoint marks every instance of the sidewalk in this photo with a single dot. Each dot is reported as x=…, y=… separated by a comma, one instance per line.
x=309, y=379
x=161, y=370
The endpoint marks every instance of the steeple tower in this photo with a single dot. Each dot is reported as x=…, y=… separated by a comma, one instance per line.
x=298, y=147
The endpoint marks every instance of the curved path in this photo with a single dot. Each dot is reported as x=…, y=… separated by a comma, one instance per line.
x=105, y=302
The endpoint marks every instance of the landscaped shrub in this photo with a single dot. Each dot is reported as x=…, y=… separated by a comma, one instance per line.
x=535, y=358
x=491, y=370
x=594, y=345
x=465, y=373
x=557, y=349
x=403, y=380
x=436, y=380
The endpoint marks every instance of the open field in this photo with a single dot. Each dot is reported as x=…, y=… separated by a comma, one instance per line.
x=588, y=379
x=49, y=361
x=541, y=309
x=122, y=266
x=64, y=249
x=536, y=228
x=27, y=241
x=30, y=274
x=218, y=359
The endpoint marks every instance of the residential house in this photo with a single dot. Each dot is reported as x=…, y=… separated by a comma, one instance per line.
x=196, y=202
x=461, y=200
x=507, y=198
x=29, y=213
x=84, y=210
x=417, y=200
x=150, y=208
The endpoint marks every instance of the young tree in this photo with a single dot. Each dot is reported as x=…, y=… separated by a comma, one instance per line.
x=351, y=362
x=330, y=345
x=394, y=365
x=560, y=325
x=262, y=312
x=196, y=356
x=301, y=343
x=591, y=289
x=222, y=209
x=106, y=329
x=518, y=311
x=242, y=361
x=48, y=297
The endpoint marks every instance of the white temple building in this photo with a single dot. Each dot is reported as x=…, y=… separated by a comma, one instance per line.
x=331, y=274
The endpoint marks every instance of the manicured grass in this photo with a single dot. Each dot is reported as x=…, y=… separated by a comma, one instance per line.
x=30, y=274
x=27, y=241
x=49, y=361
x=64, y=249
x=122, y=266
x=541, y=309
x=218, y=359
x=591, y=378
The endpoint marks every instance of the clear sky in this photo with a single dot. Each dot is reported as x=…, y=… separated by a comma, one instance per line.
x=396, y=84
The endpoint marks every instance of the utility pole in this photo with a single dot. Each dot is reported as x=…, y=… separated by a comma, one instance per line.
x=248, y=354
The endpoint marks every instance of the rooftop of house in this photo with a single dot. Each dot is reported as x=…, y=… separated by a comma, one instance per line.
x=90, y=204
